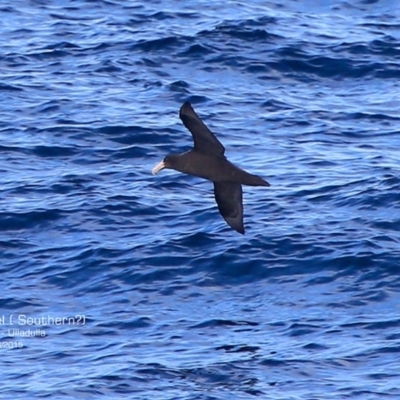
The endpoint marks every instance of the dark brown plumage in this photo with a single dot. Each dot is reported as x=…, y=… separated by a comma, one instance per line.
x=207, y=160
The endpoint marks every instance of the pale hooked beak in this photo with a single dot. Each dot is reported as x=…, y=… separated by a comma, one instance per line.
x=158, y=167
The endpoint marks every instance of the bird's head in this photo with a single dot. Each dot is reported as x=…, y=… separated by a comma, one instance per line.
x=168, y=162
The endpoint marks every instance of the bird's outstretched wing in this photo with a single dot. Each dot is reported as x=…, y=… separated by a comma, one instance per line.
x=204, y=139
x=229, y=200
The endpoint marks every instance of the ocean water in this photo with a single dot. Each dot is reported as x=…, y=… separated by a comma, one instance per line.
x=117, y=284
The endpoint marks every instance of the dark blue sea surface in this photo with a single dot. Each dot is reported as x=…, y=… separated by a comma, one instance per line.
x=117, y=284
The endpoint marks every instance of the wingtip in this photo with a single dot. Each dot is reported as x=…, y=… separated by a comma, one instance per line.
x=238, y=229
x=185, y=106
x=265, y=183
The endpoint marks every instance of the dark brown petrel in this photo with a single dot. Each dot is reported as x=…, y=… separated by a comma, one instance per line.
x=207, y=161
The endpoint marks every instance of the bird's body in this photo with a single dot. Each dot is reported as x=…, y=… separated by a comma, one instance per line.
x=213, y=168
x=207, y=160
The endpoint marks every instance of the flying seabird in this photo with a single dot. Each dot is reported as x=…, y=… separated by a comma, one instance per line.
x=206, y=160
